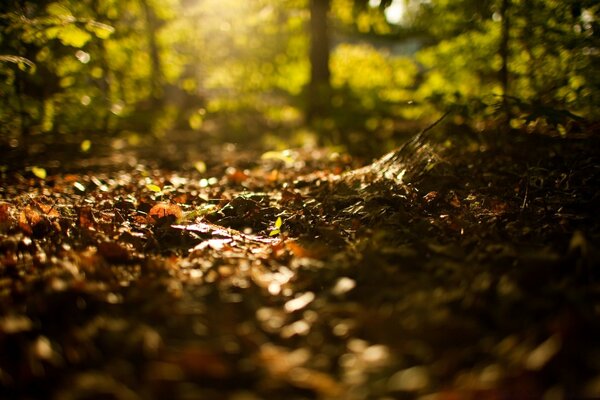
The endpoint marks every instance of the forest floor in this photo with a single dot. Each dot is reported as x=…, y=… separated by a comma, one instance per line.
x=462, y=267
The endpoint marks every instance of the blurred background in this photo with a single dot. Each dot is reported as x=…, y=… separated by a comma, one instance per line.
x=359, y=74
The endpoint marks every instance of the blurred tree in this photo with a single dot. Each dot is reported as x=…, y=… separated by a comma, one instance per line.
x=152, y=66
x=52, y=38
x=152, y=27
x=319, y=85
x=504, y=51
x=540, y=52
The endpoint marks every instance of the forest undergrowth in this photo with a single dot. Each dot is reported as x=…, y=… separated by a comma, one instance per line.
x=465, y=266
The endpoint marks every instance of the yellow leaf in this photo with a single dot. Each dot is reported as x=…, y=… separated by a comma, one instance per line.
x=278, y=223
x=285, y=156
x=86, y=145
x=274, y=232
x=153, y=187
x=200, y=166
x=39, y=172
x=58, y=10
x=102, y=31
x=71, y=35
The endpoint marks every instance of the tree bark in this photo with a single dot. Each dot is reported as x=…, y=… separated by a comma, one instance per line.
x=155, y=61
x=504, y=53
x=104, y=82
x=319, y=86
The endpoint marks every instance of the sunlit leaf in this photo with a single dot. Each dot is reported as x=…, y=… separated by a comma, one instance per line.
x=102, y=31
x=70, y=35
x=79, y=186
x=86, y=145
x=39, y=172
x=154, y=188
x=196, y=121
x=201, y=211
x=22, y=62
x=200, y=166
x=58, y=10
x=277, y=229
x=284, y=156
x=52, y=32
x=162, y=211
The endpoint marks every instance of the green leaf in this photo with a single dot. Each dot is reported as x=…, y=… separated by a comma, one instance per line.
x=39, y=172
x=154, y=188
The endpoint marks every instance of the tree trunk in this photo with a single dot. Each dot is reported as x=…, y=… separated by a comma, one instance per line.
x=105, y=81
x=156, y=75
x=319, y=90
x=504, y=53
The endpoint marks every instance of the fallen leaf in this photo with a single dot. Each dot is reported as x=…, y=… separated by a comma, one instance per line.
x=7, y=218
x=201, y=362
x=35, y=219
x=235, y=175
x=86, y=145
x=200, y=166
x=215, y=244
x=115, y=252
x=86, y=218
x=154, y=188
x=162, y=211
x=39, y=172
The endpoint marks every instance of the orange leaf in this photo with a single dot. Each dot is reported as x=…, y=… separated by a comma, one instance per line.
x=455, y=201
x=6, y=216
x=29, y=219
x=163, y=212
x=431, y=196
x=236, y=176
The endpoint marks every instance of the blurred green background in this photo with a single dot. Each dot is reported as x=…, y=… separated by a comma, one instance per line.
x=361, y=74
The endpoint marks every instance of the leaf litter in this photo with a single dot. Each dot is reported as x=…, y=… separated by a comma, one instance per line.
x=436, y=272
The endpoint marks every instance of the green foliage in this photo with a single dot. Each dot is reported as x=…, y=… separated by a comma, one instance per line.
x=552, y=52
x=148, y=66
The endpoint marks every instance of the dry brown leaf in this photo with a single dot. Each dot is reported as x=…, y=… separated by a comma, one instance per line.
x=86, y=218
x=236, y=176
x=200, y=362
x=7, y=218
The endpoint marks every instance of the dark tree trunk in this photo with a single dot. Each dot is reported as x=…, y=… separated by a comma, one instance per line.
x=504, y=52
x=105, y=80
x=319, y=87
x=156, y=64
